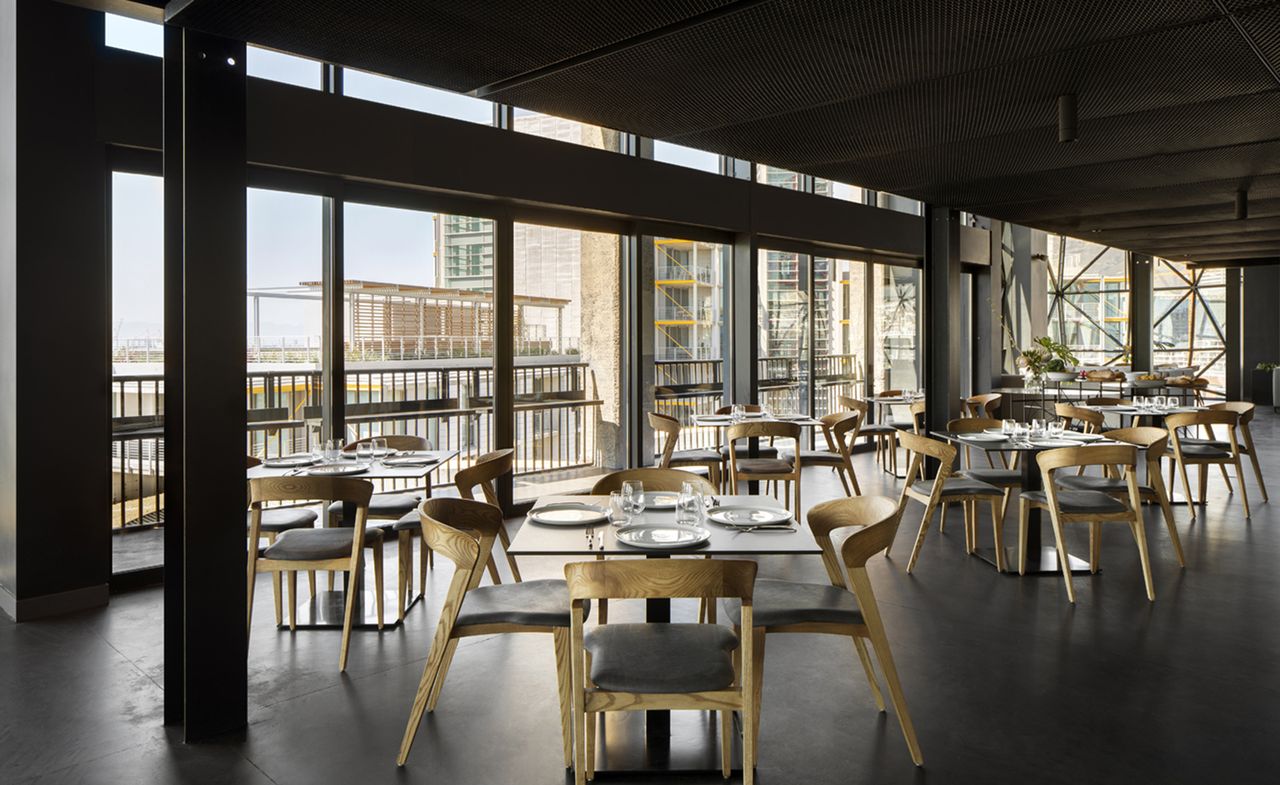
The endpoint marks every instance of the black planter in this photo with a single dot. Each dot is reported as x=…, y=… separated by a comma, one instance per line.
x=1262, y=388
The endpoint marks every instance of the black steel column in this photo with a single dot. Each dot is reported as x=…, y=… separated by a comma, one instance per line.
x=741, y=370
x=638, y=348
x=1234, y=329
x=333, y=324
x=941, y=316
x=504, y=304
x=1141, y=276
x=988, y=296
x=212, y=230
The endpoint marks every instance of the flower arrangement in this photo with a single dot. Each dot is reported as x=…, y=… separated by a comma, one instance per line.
x=1045, y=356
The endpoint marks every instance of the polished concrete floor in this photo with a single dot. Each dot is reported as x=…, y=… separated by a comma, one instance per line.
x=1006, y=682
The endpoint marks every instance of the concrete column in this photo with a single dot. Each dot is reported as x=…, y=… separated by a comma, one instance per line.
x=601, y=339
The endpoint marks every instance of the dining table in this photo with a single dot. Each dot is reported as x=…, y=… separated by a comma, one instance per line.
x=1041, y=559
x=326, y=610
x=695, y=750
x=1134, y=415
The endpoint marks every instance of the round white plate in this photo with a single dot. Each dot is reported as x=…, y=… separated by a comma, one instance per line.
x=338, y=469
x=1082, y=437
x=752, y=415
x=660, y=500
x=983, y=436
x=715, y=418
x=569, y=514
x=411, y=460
x=291, y=462
x=1052, y=443
x=744, y=515
x=662, y=536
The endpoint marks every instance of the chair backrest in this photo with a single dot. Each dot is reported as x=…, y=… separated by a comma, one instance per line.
x=1154, y=440
x=1245, y=409
x=1230, y=419
x=746, y=407
x=761, y=430
x=919, y=447
x=852, y=404
x=464, y=531
x=665, y=480
x=1102, y=401
x=348, y=490
x=867, y=511
x=971, y=424
x=395, y=441
x=918, y=409
x=841, y=429
x=637, y=579
x=984, y=405
x=483, y=472
x=1091, y=420
x=668, y=427
x=889, y=394
x=1086, y=455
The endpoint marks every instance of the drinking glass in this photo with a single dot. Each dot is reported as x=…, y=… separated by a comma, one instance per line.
x=331, y=449
x=1009, y=427
x=1020, y=433
x=1055, y=429
x=1171, y=402
x=688, y=505
x=1140, y=401
x=618, y=515
x=364, y=451
x=380, y=449
x=633, y=493
x=1037, y=429
x=738, y=412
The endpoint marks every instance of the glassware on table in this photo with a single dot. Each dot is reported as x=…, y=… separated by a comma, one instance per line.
x=1140, y=401
x=1008, y=427
x=738, y=412
x=1172, y=402
x=364, y=451
x=689, y=507
x=332, y=450
x=618, y=513
x=1037, y=429
x=380, y=449
x=1055, y=429
x=633, y=495
x=1020, y=433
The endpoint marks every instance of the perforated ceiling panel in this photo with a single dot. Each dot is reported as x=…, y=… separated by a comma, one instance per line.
x=949, y=102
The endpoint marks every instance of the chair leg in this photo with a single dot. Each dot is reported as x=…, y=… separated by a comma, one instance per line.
x=293, y=600
x=311, y=582
x=424, y=560
x=971, y=526
x=404, y=571
x=726, y=743
x=942, y=519
x=579, y=719
x=1244, y=494
x=924, y=529
x=853, y=478
x=349, y=617
x=843, y=482
x=1186, y=490
x=276, y=578
x=1257, y=473
x=1024, y=518
x=997, y=531
x=881, y=645
x=1204, y=482
x=445, y=661
x=564, y=685
x=505, y=539
x=1222, y=467
x=377, y=581
x=1095, y=545
x=869, y=669
x=420, y=700
x=752, y=724
x=1140, y=534
x=253, y=574
x=590, y=739
x=493, y=571
x=1062, y=555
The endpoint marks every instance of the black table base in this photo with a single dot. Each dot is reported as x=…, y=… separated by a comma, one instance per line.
x=1045, y=564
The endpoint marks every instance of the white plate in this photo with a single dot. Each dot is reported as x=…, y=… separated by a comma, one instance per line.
x=291, y=462
x=1053, y=443
x=338, y=469
x=411, y=460
x=752, y=415
x=662, y=536
x=569, y=514
x=1082, y=437
x=747, y=515
x=660, y=500
x=983, y=436
x=715, y=418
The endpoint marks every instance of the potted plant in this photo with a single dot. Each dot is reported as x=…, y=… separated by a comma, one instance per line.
x=1047, y=359
x=1265, y=380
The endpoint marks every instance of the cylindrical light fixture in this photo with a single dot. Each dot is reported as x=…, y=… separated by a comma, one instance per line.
x=1242, y=204
x=1067, y=117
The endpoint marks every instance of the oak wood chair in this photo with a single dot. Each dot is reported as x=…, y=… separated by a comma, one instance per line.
x=337, y=549
x=946, y=487
x=776, y=470
x=464, y=531
x=831, y=609
x=277, y=521
x=653, y=479
x=1092, y=507
x=1217, y=452
x=1155, y=442
x=880, y=434
x=763, y=450
x=888, y=455
x=1090, y=421
x=840, y=429
x=1105, y=401
x=1006, y=476
x=635, y=667
x=671, y=458
x=483, y=473
x=984, y=405
x=1245, y=446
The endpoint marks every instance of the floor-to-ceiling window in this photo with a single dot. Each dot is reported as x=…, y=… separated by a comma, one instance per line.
x=1089, y=300
x=688, y=330
x=1188, y=317
x=839, y=331
x=567, y=334
x=782, y=324
x=895, y=295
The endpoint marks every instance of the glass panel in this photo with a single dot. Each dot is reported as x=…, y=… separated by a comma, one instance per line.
x=419, y=322
x=283, y=308
x=564, y=130
x=844, y=191
x=1089, y=300
x=895, y=292
x=567, y=378
x=783, y=178
x=137, y=371
x=1188, y=317
x=688, y=324
x=783, y=322
x=281, y=67
x=407, y=95
x=686, y=156
x=123, y=32
x=839, y=331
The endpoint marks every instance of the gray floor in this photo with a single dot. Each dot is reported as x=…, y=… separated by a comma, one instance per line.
x=1006, y=682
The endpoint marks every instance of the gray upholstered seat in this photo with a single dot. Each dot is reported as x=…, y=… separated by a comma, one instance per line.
x=651, y=658
x=779, y=603
x=877, y=428
x=316, y=544
x=282, y=519
x=763, y=466
x=815, y=457
x=694, y=456
x=743, y=451
x=1001, y=477
x=1217, y=444
x=542, y=603
x=410, y=521
x=383, y=505
x=958, y=486
x=1080, y=502
x=1090, y=482
x=1204, y=451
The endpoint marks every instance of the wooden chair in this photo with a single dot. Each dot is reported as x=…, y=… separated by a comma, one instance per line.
x=635, y=667
x=665, y=480
x=918, y=411
x=487, y=469
x=1205, y=455
x=1006, y=476
x=277, y=521
x=671, y=458
x=336, y=549
x=880, y=434
x=776, y=470
x=1246, y=411
x=763, y=450
x=1155, y=441
x=464, y=531
x=840, y=429
x=1104, y=401
x=830, y=609
x=1092, y=507
x=1089, y=420
x=945, y=487
x=985, y=405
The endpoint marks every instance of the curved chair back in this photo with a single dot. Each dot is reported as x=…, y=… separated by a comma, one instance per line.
x=669, y=427
x=838, y=426
x=971, y=424
x=1154, y=440
x=637, y=579
x=1091, y=420
x=1244, y=409
x=483, y=472
x=920, y=447
x=464, y=531
x=296, y=489
x=1103, y=401
x=746, y=407
x=395, y=441
x=918, y=409
x=1090, y=455
x=761, y=430
x=665, y=480
x=867, y=511
x=984, y=405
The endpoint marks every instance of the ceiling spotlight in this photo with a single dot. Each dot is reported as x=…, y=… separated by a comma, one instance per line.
x=1242, y=204
x=1067, y=117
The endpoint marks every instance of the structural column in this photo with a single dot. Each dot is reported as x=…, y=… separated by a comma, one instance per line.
x=741, y=370
x=1029, y=298
x=941, y=326
x=504, y=374
x=638, y=374
x=205, y=219
x=1234, y=329
x=1140, y=298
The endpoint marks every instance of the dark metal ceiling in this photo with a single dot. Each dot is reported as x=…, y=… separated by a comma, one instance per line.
x=949, y=101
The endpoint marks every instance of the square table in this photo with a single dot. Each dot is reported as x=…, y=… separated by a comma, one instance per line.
x=326, y=610
x=534, y=539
